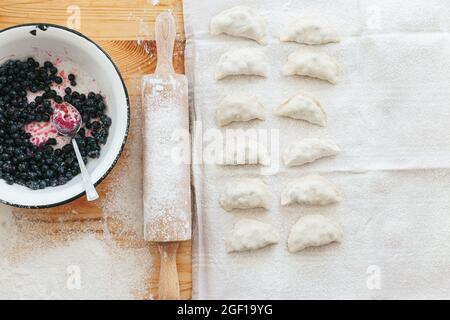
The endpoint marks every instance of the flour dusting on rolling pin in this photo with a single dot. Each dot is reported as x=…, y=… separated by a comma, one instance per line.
x=167, y=198
x=166, y=172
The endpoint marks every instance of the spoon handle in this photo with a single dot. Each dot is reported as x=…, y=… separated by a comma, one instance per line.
x=91, y=193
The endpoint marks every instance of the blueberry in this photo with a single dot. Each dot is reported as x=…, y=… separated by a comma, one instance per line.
x=58, y=80
x=68, y=90
x=48, y=150
x=62, y=180
x=93, y=153
x=52, y=142
x=96, y=125
x=71, y=77
x=58, y=99
x=90, y=102
x=67, y=148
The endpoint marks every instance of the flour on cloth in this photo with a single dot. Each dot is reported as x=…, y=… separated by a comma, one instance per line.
x=389, y=114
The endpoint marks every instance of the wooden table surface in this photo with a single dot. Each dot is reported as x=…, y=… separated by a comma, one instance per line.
x=125, y=30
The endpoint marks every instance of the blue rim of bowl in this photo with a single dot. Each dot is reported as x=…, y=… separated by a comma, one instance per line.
x=42, y=27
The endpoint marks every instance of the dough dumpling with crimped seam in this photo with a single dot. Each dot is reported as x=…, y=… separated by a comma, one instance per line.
x=250, y=234
x=239, y=107
x=245, y=193
x=313, y=64
x=240, y=21
x=309, y=31
x=313, y=190
x=305, y=107
x=242, y=62
x=313, y=231
x=309, y=150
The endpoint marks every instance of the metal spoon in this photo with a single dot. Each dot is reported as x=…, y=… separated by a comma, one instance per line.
x=67, y=121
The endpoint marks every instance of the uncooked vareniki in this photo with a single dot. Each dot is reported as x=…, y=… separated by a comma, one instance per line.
x=246, y=61
x=308, y=150
x=239, y=107
x=312, y=64
x=313, y=231
x=309, y=31
x=242, y=22
x=250, y=234
x=245, y=193
x=303, y=107
x=312, y=189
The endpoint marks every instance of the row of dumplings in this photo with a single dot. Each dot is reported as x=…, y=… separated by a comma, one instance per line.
x=239, y=107
x=249, y=193
x=295, y=154
x=309, y=231
x=242, y=21
x=313, y=230
x=253, y=61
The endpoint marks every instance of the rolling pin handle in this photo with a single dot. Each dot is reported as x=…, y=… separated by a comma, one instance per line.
x=169, y=285
x=165, y=31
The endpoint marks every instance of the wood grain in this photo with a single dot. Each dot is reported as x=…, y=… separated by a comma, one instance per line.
x=100, y=20
x=122, y=28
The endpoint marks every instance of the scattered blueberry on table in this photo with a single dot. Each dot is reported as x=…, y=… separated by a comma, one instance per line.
x=45, y=163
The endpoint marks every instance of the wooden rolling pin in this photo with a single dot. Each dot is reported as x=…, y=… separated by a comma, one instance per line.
x=167, y=198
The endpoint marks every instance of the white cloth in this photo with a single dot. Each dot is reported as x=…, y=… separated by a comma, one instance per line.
x=390, y=114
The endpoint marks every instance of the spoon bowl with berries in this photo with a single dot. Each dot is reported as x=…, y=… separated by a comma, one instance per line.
x=67, y=121
x=64, y=116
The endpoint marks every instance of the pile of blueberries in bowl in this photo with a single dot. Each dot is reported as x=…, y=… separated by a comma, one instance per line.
x=31, y=152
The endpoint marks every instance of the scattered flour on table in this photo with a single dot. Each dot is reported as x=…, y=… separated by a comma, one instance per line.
x=123, y=200
x=52, y=269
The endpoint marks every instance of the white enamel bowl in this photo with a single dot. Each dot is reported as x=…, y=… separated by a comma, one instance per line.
x=75, y=51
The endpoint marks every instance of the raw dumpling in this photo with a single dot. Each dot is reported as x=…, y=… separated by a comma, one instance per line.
x=309, y=31
x=309, y=150
x=247, y=61
x=313, y=231
x=312, y=64
x=249, y=234
x=242, y=22
x=245, y=194
x=239, y=107
x=244, y=152
x=312, y=189
x=303, y=107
